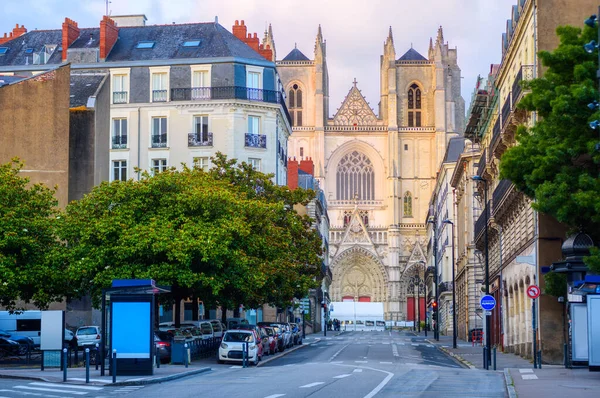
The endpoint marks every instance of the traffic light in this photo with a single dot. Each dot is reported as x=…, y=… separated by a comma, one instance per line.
x=434, y=306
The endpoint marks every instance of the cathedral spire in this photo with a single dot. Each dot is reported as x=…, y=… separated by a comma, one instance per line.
x=390, y=35
x=319, y=46
x=388, y=46
x=269, y=40
x=431, y=50
x=440, y=36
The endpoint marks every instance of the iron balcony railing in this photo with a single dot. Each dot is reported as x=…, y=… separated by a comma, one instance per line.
x=482, y=162
x=119, y=97
x=480, y=223
x=504, y=186
x=119, y=141
x=159, y=95
x=444, y=287
x=230, y=92
x=495, y=134
x=525, y=73
x=506, y=108
x=200, y=139
x=256, y=140
x=159, y=140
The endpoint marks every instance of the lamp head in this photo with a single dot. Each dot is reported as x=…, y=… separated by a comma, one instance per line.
x=591, y=21
x=594, y=124
x=594, y=105
x=446, y=221
x=590, y=47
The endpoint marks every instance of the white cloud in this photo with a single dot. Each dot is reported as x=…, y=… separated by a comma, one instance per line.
x=354, y=29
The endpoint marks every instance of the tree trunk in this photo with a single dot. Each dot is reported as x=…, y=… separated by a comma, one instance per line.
x=236, y=311
x=206, y=311
x=177, y=319
x=224, y=314
x=195, y=312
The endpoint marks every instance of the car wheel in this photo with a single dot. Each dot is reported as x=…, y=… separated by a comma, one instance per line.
x=23, y=348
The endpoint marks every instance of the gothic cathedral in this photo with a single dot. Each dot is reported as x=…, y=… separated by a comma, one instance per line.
x=377, y=170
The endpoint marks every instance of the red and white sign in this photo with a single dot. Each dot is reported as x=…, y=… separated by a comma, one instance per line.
x=533, y=292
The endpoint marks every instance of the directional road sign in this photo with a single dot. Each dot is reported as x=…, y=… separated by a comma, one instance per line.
x=533, y=292
x=487, y=302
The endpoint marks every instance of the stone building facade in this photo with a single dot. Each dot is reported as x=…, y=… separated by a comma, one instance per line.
x=377, y=170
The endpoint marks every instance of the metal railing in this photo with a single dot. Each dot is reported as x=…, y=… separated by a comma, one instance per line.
x=119, y=141
x=525, y=73
x=119, y=97
x=506, y=108
x=200, y=139
x=159, y=140
x=482, y=163
x=159, y=95
x=504, y=186
x=480, y=223
x=256, y=140
x=444, y=287
x=230, y=92
x=495, y=134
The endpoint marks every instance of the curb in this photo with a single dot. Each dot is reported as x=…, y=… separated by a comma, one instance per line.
x=18, y=377
x=284, y=353
x=510, y=385
x=158, y=379
x=454, y=356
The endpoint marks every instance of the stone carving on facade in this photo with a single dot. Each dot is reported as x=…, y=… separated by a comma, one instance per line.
x=355, y=111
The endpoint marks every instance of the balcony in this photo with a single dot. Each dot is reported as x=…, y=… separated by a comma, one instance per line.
x=524, y=74
x=495, y=134
x=256, y=140
x=230, y=92
x=506, y=108
x=444, y=287
x=480, y=224
x=501, y=191
x=119, y=97
x=201, y=139
x=159, y=95
x=482, y=163
x=159, y=140
x=119, y=141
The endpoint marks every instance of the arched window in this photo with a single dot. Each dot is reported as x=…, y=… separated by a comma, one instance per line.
x=355, y=177
x=414, y=106
x=407, y=204
x=295, y=105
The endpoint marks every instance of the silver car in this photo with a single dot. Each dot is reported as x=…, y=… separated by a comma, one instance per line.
x=88, y=336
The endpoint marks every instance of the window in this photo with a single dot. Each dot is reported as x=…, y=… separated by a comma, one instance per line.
x=406, y=147
x=145, y=44
x=201, y=135
x=159, y=132
x=191, y=43
x=301, y=152
x=159, y=87
x=201, y=163
x=295, y=105
x=119, y=137
x=159, y=165
x=253, y=137
x=200, y=85
x=414, y=106
x=119, y=87
x=29, y=51
x=355, y=177
x=253, y=124
x=253, y=84
x=3, y=50
x=407, y=204
x=255, y=163
x=120, y=170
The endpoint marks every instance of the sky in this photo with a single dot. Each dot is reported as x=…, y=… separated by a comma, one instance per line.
x=355, y=30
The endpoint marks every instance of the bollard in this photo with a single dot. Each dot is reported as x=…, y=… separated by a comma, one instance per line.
x=114, y=366
x=494, y=355
x=43, y=361
x=565, y=355
x=486, y=364
x=540, y=359
x=244, y=358
x=87, y=365
x=185, y=354
x=64, y=364
x=157, y=360
x=97, y=356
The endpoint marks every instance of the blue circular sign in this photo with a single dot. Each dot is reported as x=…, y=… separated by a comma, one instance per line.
x=488, y=302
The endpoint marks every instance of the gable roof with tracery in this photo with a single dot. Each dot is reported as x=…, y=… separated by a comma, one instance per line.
x=355, y=111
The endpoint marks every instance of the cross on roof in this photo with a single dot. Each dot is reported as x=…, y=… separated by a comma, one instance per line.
x=354, y=82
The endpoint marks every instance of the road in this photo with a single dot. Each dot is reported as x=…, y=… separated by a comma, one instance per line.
x=353, y=364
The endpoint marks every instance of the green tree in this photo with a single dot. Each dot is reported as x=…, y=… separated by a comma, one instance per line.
x=556, y=161
x=27, y=241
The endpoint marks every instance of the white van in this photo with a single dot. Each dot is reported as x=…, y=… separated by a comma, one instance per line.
x=27, y=323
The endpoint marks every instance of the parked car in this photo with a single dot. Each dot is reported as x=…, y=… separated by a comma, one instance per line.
x=287, y=334
x=296, y=333
x=70, y=339
x=25, y=343
x=9, y=347
x=279, y=334
x=217, y=328
x=264, y=337
x=88, y=336
x=162, y=342
x=273, y=345
x=233, y=344
x=233, y=322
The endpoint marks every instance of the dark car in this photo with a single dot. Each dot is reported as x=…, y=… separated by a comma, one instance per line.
x=8, y=347
x=296, y=333
x=25, y=343
x=162, y=342
x=279, y=333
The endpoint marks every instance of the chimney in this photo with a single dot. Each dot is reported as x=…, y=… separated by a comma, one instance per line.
x=253, y=42
x=70, y=33
x=292, y=174
x=16, y=32
x=109, y=33
x=307, y=166
x=266, y=52
x=239, y=30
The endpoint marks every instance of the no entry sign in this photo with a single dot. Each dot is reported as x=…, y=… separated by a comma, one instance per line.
x=533, y=291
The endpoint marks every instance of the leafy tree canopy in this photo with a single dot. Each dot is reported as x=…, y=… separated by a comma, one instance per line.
x=556, y=162
x=27, y=241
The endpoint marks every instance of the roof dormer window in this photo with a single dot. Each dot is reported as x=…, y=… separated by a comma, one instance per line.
x=3, y=50
x=191, y=43
x=145, y=44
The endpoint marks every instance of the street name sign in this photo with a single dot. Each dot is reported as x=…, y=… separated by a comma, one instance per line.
x=487, y=302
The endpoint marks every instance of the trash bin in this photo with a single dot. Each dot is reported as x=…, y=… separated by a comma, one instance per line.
x=178, y=352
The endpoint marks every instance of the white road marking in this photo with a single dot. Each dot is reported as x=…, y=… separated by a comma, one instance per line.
x=529, y=377
x=41, y=384
x=357, y=370
x=386, y=363
x=316, y=383
x=94, y=380
x=361, y=361
x=275, y=396
x=51, y=390
x=341, y=376
x=235, y=367
x=337, y=362
x=338, y=353
x=430, y=345
x=525, y=370
x=415, y=344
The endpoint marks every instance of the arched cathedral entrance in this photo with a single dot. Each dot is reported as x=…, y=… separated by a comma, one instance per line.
x=358, y=275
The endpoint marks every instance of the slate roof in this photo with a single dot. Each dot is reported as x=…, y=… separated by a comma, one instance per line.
x=454, y=149
x=36, y=39
x=296, y=55
x=216, y=41
x=412, y=55
x=83, y=87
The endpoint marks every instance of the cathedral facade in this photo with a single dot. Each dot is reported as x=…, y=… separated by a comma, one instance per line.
x=377, y=170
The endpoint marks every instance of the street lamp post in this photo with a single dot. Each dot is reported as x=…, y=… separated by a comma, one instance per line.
x=488, y=341
x=453, y=288
x=436, y=327
x=425, y=293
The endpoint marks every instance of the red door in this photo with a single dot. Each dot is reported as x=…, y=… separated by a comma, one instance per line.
x=410, y=309
x=364, y=299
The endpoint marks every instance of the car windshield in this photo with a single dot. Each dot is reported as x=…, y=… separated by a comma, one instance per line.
x=237, y=337
x=269, y=331
x=216, y=326
x=206, y=329
x=87, y=331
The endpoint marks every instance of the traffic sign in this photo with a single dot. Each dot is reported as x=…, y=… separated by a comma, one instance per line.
x=487, y=302
x=533, y=292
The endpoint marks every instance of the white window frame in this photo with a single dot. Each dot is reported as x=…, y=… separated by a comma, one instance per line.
x=121, y=133
x=121, y=73
x=256, y=163
x=259, y=124
x=155, y=70
x=202, y=162
x=158, y=165
x=120, y=169
x=161, y=132
x=254, y=92
x=204, y=134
